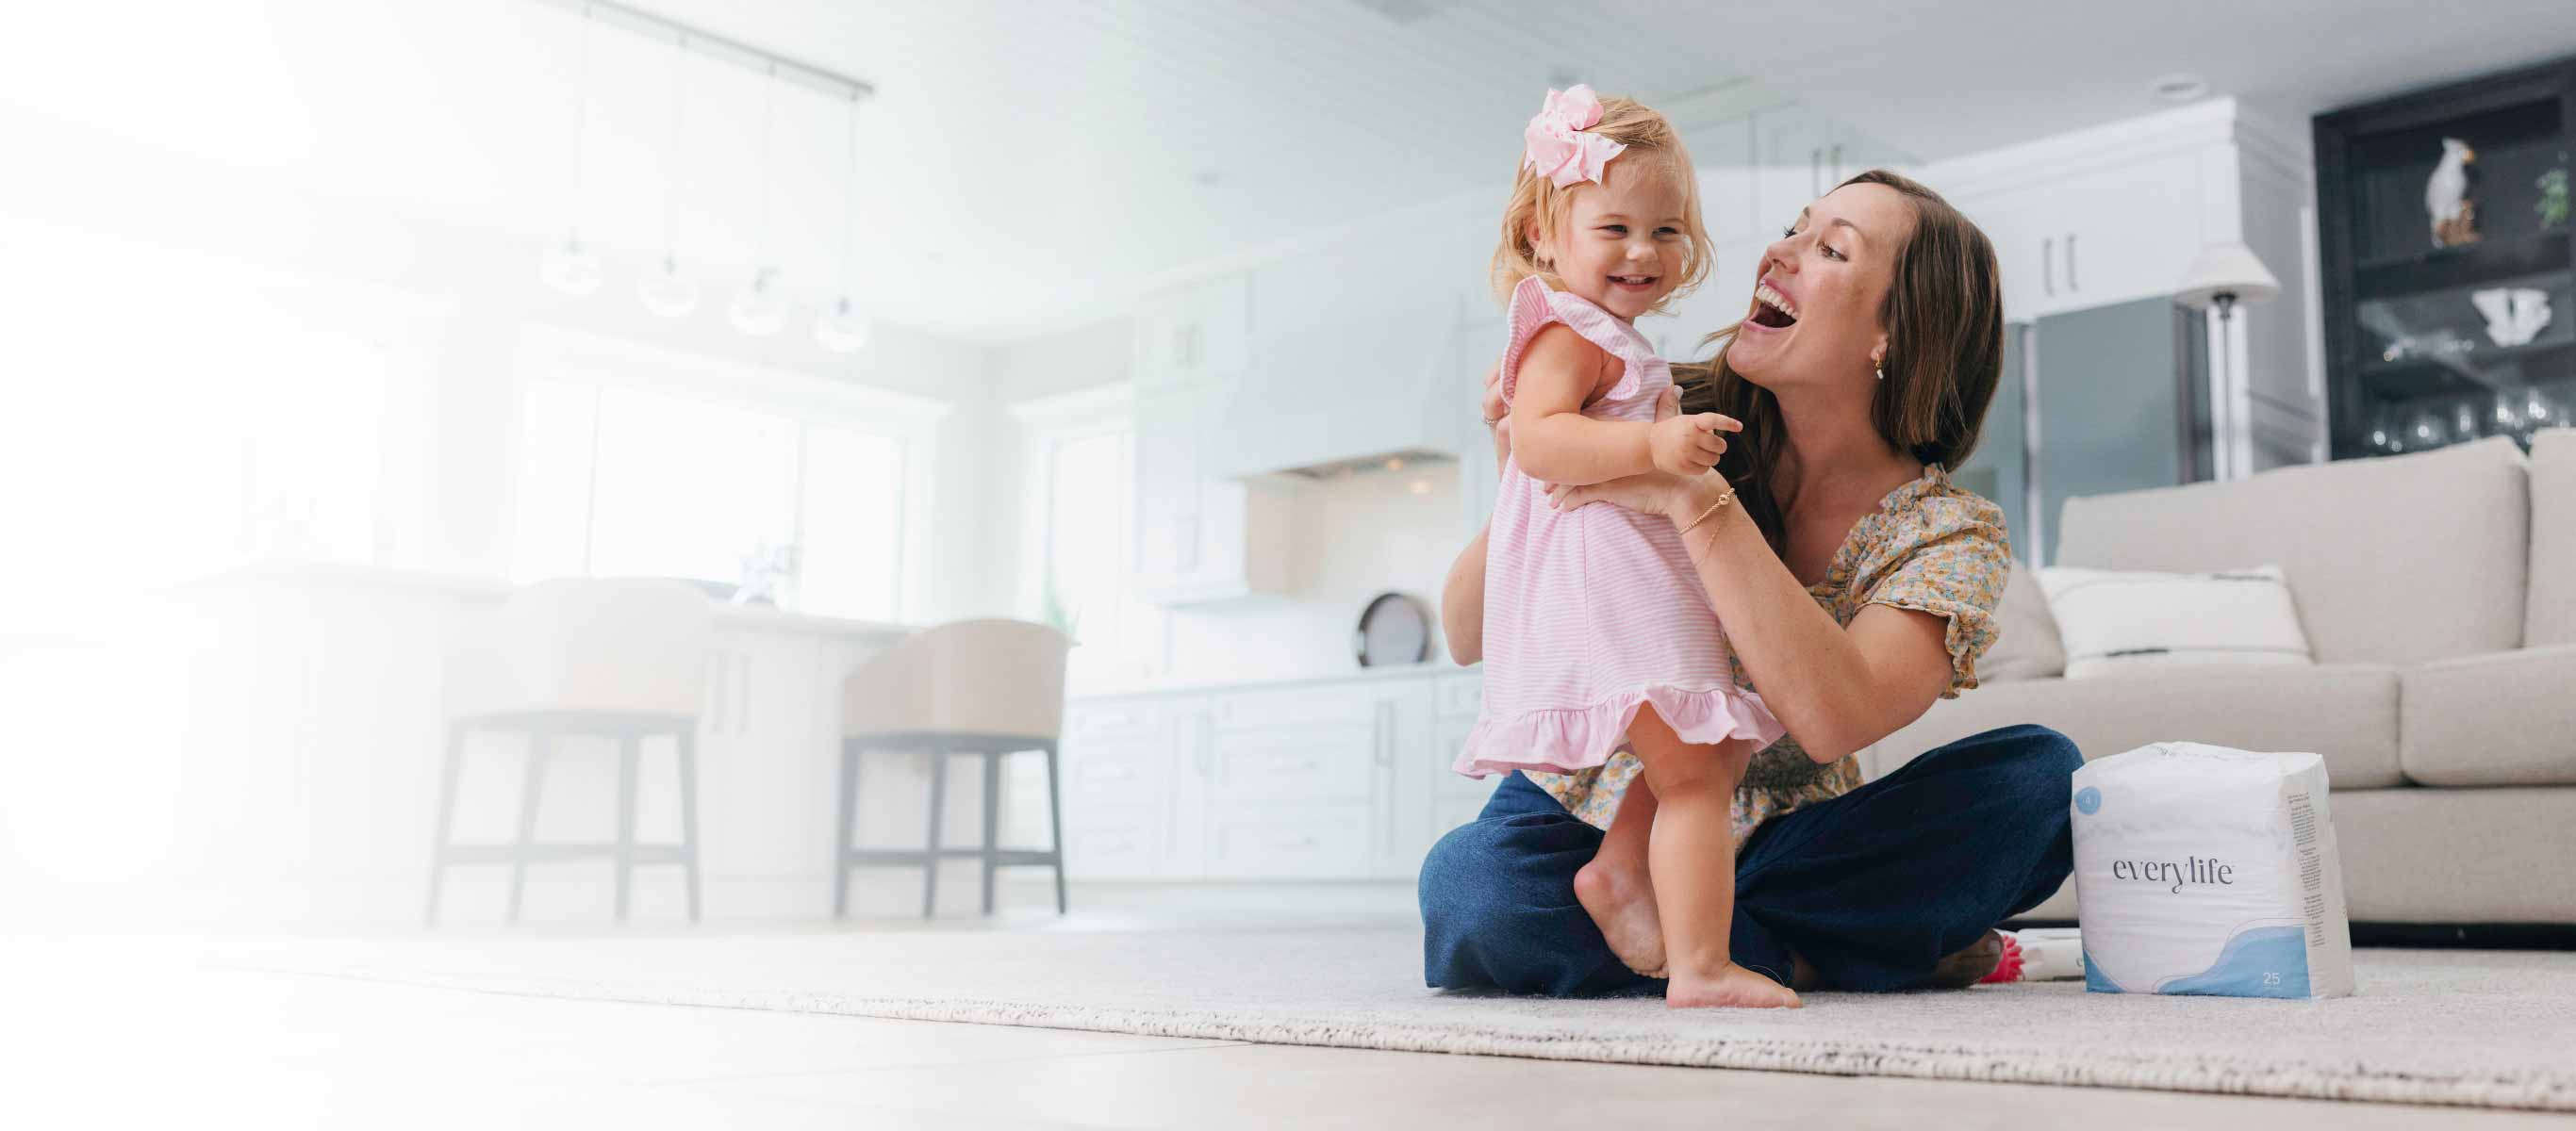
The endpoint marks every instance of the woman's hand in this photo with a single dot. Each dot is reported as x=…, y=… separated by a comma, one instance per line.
x=1659, y=492
x=1498, y=418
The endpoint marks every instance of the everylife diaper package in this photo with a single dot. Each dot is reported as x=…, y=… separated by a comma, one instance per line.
x=2205, y=870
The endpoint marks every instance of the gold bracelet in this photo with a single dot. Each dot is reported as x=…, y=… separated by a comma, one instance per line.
x=1712, y=509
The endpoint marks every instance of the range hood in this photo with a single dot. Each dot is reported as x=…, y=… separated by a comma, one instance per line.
x=1321, y=397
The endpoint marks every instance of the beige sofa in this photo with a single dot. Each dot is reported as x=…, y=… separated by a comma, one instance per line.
x=2438, y=592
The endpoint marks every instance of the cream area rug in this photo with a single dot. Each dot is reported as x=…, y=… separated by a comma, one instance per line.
x=2474, y=1028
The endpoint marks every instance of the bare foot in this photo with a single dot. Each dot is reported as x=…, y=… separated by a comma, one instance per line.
x=1732, y=986
x=1622, y=903
x=1962, y=970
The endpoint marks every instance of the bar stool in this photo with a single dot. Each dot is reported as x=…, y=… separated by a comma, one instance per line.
x=988, y=687
x=622, y=659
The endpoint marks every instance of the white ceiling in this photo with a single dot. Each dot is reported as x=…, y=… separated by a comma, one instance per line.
x=1942, y=77
x=1027, y=165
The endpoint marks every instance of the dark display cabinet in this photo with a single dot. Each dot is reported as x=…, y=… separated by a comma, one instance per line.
x=2447, y=268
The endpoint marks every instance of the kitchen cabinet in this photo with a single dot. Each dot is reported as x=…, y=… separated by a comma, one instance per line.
x=1480, y=347
x=1199, y=537
x=1201, y=332
x=1724, y=155
x=2092, y=238
x=1790, y=148
x=1321, y=779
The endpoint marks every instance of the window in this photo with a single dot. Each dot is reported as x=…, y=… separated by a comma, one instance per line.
x=1082, y=532
x=806, y=504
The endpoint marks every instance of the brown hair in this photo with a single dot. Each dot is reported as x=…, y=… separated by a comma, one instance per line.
x=1944, y=316
x=1648, y=136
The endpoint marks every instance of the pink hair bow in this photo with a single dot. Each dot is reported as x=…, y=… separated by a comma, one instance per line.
x=1558, y=148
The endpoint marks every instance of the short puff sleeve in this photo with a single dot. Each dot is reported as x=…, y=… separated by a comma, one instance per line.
x=1951, y=560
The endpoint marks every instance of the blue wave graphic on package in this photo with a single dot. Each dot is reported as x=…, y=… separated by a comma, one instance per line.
x=2259, y=962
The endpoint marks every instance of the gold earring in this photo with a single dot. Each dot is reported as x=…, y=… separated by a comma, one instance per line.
x=1882, y=369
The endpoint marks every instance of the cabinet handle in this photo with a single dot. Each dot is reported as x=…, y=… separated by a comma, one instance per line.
x=2071, y=284
x=2048, y=266
x=1185, y=544
x=1815, y=173
x=1382, y=736
x=1838, y=163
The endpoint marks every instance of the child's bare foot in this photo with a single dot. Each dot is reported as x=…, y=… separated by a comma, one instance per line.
x=1622, y=903
x=1732, y=986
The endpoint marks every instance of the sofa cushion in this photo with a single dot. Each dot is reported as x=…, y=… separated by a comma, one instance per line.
x=2394, y=560
x=2345, y=713
x=2552, y=615
x=2457, y=855
x=2026, y=641
x=2504, y=718
x=2115, y=623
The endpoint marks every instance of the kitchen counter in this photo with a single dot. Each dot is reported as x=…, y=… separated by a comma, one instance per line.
x=484, y=590
x=1173, y=685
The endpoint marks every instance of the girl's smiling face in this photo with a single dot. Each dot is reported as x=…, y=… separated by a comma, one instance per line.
x=1626, y=239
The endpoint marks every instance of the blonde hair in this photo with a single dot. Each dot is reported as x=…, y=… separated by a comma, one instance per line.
x=1537, y=201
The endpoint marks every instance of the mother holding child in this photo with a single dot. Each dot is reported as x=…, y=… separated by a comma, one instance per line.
x=1668, y=538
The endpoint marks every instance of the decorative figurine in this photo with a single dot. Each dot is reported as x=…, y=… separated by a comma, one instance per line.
x=2552, y=204
x=2515, y=315
x=2446, y=196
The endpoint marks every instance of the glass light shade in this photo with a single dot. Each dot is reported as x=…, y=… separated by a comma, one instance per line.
x=842, y=329
x=667, y=292
x=570, y=266
x=760, y=309
x=2226, y=269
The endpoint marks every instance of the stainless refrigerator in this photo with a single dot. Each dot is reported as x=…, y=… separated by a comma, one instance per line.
x=2113, y=398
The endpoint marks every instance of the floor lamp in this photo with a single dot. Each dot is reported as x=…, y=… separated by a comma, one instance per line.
x=2222, y=276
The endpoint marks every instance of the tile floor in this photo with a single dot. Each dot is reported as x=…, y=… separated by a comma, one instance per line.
x=130, y=1033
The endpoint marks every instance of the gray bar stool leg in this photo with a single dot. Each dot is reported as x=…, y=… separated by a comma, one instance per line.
x=842, y=831
x=531, y=791
x=447, y=776
x=688, y=738
x=938, y=803
x=628, y=747
x=1055, y=824
x=992, y=814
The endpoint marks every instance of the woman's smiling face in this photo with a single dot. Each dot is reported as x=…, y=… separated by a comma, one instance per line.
x=1626, y=238
x=1821, y=288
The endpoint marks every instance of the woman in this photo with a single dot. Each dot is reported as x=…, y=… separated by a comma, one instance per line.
x=1856, y=585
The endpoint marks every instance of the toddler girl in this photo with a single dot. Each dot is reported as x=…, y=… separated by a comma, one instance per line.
x=1597, y=630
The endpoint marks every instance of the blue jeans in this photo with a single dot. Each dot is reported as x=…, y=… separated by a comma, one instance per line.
x=1873, y=888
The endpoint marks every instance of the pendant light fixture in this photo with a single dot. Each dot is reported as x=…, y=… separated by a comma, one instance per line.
x=664, y=289
x=844, y=328
x=760, y=308
x=568, y=264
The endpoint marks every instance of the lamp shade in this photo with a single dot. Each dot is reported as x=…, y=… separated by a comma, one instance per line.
x=2226, y=269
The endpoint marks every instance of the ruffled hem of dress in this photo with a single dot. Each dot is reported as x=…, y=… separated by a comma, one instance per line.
x=1564, y=740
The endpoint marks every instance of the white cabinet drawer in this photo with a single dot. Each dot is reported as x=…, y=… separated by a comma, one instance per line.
x=1451, y=783
x=1300, y=841
x=1113, y=842
x=1114, y=770
x=1462, y=694
x=1298, y=706
x=1084, y=720
x=1297, y=763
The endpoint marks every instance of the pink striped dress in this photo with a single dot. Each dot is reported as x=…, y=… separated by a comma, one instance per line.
x=1593, y=611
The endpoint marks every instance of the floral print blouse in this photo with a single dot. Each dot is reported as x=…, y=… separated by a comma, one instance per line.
x=1930, y=546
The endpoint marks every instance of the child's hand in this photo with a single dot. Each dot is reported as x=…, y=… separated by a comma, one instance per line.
x=1689, y=445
